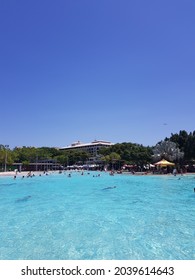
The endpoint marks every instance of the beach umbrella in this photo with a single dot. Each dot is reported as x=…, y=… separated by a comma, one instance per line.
x=164, y=163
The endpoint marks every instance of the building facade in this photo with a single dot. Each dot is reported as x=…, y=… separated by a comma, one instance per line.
x=91, y=148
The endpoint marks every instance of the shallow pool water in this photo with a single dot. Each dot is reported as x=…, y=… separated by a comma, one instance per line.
x=87, y=217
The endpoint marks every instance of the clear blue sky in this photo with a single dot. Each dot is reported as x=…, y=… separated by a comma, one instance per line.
x=116, y=70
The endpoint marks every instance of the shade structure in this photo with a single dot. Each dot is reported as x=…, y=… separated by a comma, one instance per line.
x=164, y=162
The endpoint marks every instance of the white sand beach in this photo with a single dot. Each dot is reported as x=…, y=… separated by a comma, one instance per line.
x=23, y=173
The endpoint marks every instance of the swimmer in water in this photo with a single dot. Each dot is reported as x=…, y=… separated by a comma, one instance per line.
x=109, y=188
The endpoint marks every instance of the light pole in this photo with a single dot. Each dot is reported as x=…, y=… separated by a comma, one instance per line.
x=6, y=147
x=36, y=162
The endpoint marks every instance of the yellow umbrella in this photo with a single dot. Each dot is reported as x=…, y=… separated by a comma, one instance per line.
x=164, y=162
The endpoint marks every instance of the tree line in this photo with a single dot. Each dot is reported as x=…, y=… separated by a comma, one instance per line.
x=179, y=147
x=185, y=142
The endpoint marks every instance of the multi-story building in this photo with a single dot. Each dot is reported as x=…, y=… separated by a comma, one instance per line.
x=91, y=148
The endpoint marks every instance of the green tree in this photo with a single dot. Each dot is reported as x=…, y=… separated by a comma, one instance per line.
x=129, y=153
x=6, y=158
x=185, y=142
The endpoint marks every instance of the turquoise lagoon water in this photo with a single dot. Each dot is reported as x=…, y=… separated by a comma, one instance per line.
x=56, y=217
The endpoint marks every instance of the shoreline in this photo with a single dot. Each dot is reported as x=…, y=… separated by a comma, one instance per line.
x=38, y=173
x=24, y=173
